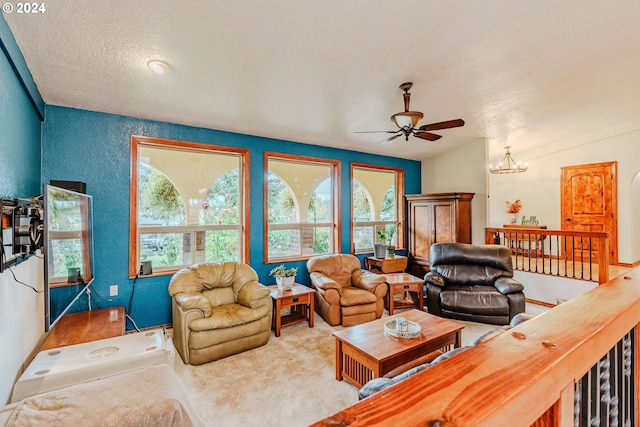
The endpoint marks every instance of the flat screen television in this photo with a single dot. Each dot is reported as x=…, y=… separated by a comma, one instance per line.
x=67, y=249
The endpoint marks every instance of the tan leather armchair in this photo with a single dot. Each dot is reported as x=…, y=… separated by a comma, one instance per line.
x=218, y=309
x=346, y=294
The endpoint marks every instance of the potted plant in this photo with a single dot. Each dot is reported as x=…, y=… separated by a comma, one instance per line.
x=391, y=249
x=284, y=277
x=384, y=237
x=380, y=248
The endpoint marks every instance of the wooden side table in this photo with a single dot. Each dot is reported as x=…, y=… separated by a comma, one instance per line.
x=411, y=288
x=388, y=264
x=85, y=326
x=300, y=298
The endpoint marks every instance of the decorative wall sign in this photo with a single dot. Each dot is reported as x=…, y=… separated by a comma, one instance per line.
x=531, y=221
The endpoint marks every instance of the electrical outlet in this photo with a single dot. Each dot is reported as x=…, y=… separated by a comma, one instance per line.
x=113, y=290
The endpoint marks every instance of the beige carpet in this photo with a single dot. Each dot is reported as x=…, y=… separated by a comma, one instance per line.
x=288, y=382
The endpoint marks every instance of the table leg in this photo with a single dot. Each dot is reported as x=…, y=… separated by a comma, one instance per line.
x=386, y=297
x=339, y=357
x=420, y=299
x=390, y=294
x=311, y=312
x=278, y=319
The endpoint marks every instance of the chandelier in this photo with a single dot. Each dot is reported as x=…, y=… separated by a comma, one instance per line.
x=508, y=165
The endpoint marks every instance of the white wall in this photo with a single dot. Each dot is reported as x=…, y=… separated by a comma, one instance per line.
x=551, y=289
x=634, y=233
x=461, y=170
x=22, y=320
x=539, y=187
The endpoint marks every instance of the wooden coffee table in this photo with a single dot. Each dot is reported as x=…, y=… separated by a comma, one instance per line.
x=365, y=351
x=300, y=298
x=411, y=288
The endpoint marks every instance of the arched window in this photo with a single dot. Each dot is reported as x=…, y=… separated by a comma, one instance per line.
x=188, y=204
x=300, y=203
x=159, y=204
x=377, y=195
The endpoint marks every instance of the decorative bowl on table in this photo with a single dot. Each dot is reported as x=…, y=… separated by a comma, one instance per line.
x=404, y=329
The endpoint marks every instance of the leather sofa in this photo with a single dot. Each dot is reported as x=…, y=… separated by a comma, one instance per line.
x=218, y=309
x=346, y=294
x=473, y=282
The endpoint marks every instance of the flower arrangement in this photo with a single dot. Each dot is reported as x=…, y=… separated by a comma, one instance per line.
x=513, y=208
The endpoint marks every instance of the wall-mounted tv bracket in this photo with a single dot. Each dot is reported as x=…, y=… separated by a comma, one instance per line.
x=21, y=229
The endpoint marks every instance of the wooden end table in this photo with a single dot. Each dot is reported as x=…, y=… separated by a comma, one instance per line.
x=388, y=264
x=300, y=298
x=411, y=287
x=365, y=351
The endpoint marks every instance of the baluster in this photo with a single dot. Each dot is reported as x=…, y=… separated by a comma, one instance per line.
x=566, y=254
x=605, y=395
x=581, y=258
x=577, y=403
x=557, y=252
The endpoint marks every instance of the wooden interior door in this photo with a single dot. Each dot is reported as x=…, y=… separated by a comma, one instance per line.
x=589, y=200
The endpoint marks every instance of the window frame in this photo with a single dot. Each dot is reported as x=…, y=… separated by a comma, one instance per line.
x=400, y=208
x=337, y=222
x=134, y=232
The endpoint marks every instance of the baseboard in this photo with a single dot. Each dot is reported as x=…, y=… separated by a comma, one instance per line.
x=629, y=265
x=542, y=303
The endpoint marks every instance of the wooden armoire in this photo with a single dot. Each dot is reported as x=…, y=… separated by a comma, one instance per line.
x=433, y=218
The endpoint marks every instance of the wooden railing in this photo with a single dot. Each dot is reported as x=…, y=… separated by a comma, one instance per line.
x=574, y=365
x=572, y=254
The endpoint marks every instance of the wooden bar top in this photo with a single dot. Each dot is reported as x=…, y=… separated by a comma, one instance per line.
x=86, y=326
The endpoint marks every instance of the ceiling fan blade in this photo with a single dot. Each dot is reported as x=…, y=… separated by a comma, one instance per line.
x=443, y=125
x=377, y=131
x=427, y=135
x=391, y=138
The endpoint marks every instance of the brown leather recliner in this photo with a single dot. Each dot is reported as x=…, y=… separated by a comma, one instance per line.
x=473, y=282
x=218, y=309
x=346, y=294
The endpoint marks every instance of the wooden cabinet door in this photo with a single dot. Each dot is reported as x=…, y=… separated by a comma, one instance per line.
x=420, y=230
x=444, y=225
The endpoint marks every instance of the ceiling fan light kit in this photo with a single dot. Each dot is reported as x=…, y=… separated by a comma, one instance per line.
x=407, y=122
x=407, y=119
x=508, y=165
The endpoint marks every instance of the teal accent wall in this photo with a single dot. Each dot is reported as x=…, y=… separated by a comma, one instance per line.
x=93, y=147
x=19, y=122
x=21, y=309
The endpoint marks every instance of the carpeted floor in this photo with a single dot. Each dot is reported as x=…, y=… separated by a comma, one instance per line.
x=288, y=382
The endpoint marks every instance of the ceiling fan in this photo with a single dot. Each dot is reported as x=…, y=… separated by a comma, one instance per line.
x=408, y=120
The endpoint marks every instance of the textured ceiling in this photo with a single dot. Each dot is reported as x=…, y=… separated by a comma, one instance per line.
x=316, y=72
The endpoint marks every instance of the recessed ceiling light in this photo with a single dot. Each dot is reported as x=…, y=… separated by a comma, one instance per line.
x=157, y=66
